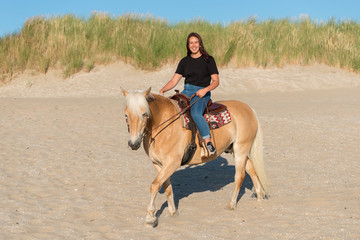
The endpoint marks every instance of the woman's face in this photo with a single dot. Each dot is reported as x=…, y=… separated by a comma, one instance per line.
x=194, y=45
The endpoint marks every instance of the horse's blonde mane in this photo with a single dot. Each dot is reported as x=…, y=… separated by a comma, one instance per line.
x=137, y=103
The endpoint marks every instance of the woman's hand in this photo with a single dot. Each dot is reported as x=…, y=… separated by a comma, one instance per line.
x=215, y=82
x=171, y=84
x=201, y=93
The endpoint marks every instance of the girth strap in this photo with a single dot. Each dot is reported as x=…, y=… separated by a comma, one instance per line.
x=184, y=102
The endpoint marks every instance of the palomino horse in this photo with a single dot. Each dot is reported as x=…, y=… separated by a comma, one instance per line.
x=167, y=144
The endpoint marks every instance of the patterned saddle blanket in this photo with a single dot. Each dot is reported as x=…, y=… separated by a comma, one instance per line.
x=217, y=115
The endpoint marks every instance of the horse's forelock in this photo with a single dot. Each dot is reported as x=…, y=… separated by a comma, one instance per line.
x=137, y=103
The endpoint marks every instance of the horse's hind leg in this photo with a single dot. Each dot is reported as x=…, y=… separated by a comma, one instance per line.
x=251, y=171
x=240, y=162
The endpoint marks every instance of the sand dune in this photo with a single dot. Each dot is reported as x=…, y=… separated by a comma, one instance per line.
x=66, y=171
x=104, y=81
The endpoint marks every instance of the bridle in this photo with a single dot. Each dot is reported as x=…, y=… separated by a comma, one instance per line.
x=173, y=118
x=145, y=129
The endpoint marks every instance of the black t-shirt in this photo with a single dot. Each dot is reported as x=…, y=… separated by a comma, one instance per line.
x=197, y=71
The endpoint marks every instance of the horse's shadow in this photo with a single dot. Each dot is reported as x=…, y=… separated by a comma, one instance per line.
x=211, y=176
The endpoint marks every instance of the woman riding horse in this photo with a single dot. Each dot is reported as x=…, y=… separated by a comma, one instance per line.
x=167, y=144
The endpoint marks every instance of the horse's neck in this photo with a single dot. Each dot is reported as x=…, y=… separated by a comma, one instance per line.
x=161, y=109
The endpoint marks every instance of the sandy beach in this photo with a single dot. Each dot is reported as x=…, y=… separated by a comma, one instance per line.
x=66, y=171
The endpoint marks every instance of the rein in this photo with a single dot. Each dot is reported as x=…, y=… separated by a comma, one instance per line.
x=177, y=114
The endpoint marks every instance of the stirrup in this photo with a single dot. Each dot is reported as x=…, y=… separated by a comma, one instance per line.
x=211, y=148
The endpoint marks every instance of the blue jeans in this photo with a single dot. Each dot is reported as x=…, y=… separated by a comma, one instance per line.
x=197, y=110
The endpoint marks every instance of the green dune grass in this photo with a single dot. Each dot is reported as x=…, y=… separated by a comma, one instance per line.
x=73, y=44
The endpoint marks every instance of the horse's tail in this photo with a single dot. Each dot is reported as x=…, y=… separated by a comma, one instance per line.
x=257, y=159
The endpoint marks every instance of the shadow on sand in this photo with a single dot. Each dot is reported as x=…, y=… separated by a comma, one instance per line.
x=211, y=176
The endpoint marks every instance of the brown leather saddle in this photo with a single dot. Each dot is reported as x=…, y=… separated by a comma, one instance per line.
x=212, y=109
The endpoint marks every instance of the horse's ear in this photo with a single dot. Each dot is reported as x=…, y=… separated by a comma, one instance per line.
x=149, y=96
x=124, y=91
x=146, y=93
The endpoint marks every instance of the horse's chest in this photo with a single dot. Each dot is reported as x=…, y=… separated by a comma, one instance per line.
x=154, y=156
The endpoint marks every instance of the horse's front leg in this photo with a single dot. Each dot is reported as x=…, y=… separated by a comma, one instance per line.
x=169, y=193
x=170, y=197
x=164, y=174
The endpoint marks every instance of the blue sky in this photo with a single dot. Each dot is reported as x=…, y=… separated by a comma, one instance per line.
x=13, y=13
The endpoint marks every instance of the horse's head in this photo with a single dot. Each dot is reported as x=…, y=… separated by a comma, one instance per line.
x=137, y=114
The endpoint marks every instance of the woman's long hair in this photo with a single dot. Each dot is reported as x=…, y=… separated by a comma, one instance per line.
x=202, y=48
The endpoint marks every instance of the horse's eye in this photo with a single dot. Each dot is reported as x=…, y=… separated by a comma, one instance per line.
x=126, y=117
x=145, y=115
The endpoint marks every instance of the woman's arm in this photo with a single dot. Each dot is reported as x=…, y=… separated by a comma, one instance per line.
x=214, y=83
x=171, y=84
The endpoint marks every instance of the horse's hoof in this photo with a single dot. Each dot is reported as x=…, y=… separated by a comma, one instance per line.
x=173, y=214
x=151, y=221
x=258, y=196
x=230, y=207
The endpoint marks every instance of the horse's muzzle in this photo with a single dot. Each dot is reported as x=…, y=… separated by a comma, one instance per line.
x=135, y=145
